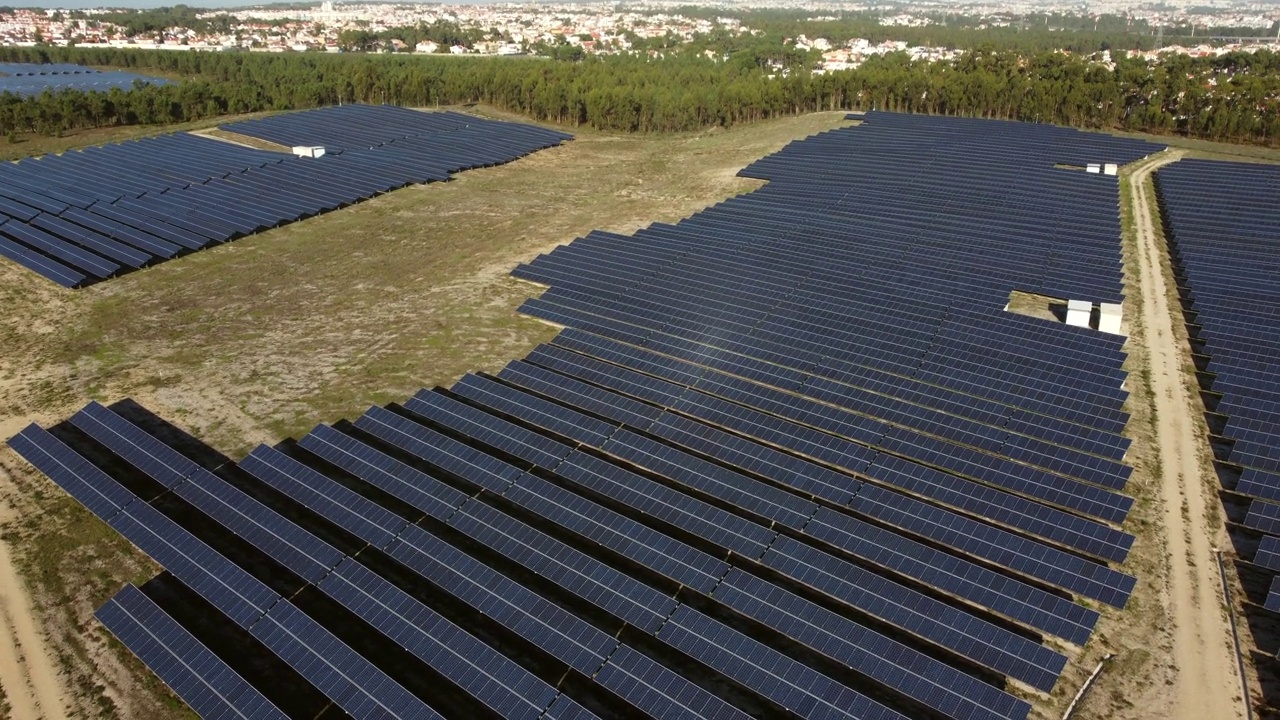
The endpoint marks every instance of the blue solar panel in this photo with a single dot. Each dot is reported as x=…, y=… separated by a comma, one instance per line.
x=90, y=214
x=139, y=448
x=982, y=642
x=82, y=479
x=414, y=487
x=340, y=505
x=352, y=682
x=502, y=685
x=792, y=685
x=1272, y=602
x=578, y=644
x=931, y=682
x=615, y=592
x=195, y=674
x=1268, y=555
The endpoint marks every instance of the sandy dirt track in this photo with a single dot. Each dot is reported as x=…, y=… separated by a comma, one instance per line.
x=1207, y=684
x=27, y=673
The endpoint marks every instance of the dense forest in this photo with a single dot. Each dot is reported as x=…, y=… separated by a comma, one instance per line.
x=1232, y=97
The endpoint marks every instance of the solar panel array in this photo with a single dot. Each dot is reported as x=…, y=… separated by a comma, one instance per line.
x=1222, y=223
x=92, y=214
x=26, y=79
x=786, y=457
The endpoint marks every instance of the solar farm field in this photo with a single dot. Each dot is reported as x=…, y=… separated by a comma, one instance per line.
x=24, y=79
x=260, y=339
x=788, y=455
x=87, y=216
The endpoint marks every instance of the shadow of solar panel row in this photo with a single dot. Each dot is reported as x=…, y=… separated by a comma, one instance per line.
x=92, y=214
x=1223, y=226
x=26, y=79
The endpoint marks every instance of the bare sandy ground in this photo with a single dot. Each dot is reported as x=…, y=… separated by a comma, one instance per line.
x=27, y=672
x=1206, y=684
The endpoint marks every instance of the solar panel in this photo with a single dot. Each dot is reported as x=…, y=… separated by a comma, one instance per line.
x=616, y=593
x=657, y=501
x=195, y=674
x=352, y=682
x=138, y=447
x=442, y=452
x=502, y=685
x=714, y=480
x=1264, y=516
x=979, y=641
x=817, y=380
x=287, y=543
x=660, y=692
x=412, y=486
x=1015, y=600
x=93, y=488
x=104, y=210
x=792, y=685
x=241, y=597
x=1268, y=555
x=335, y=502
x=1272, y=602
x=928, y=681
x=619, y=533
x=553, y=629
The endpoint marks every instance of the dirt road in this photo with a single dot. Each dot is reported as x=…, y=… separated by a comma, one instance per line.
x=26, y=671
x=1207, y=683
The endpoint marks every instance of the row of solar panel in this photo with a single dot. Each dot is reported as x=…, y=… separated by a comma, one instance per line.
x=27, y=80
x=1094, y=279
x=630, y=259
x=90, y=215
x=10, y=68
x=173, y=471
x=352, y=126
x=676, y=624
x=1024, y=479
x=1223, y=222
x=817, y=344
x=823, y=307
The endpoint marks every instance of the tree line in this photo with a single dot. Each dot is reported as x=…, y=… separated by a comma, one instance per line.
x=1233, y=97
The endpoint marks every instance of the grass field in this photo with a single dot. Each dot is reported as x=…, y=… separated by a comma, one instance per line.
x=263, y=338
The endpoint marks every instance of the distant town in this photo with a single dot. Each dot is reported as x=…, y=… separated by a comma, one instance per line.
x=593, y=28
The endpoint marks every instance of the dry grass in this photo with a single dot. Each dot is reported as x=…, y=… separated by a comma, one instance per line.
x=1034, y=305
x=263, y=338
